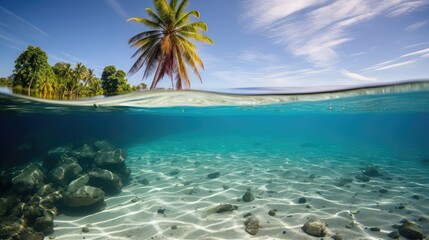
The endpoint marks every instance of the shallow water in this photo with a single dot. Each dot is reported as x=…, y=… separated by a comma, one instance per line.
x=283, y=146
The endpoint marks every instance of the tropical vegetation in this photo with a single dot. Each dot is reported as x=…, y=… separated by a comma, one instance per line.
x=33, y=74
x=166, y=48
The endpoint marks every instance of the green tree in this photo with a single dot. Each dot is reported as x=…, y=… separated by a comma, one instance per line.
x=30, y=67
x=94, y=88
x=79, y=74
x=166, y=48
x=114, y=82
x=64, y=73
x=47, y=83
x=90, y=77
x=5, y=82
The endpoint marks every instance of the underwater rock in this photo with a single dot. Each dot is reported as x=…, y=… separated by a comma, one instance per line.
x=45, y=223
x=106, y=180
x=174, y=172
x=248, y=197
x=252, y=225
x=343, y=181
x=78, y=183
x=225, y=186
x=104, y=145
x=112, y=160
x=83, y=196
x=144, y=181
x=394, y=234
x=64, y=173
x=410, y=230
x=85, y=229
x=375, y=229
x=223, y=207
x=425, y=160
x=362, y=178
x=161, y=211
x=371, y=171
x=84, y=153
x=55, y=155
x=302, y=200
x=28, y=180
x=315, y=227
x=272, y=212
x=213, y=175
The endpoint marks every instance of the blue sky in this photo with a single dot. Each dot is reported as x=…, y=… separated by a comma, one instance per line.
x=258, y=43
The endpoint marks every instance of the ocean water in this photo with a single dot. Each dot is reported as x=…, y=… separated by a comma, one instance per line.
x=282, y=146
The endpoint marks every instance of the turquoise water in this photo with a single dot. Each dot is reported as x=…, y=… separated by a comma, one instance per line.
x=249, y=144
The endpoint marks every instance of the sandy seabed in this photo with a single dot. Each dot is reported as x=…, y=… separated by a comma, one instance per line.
x=165, y=176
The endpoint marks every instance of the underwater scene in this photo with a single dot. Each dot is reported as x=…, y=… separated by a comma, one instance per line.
x=254, y=164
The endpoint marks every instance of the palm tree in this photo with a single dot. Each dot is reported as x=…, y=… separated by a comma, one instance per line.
x=90, y=77
x=166, y=48
x=64, y=74
x=95, y=88
x=79, y=74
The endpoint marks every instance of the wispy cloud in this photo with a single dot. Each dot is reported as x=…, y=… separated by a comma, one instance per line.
x=272, y=76
x=73, y=59
x=415, y=26
x=395, y=65
x=113, y=4
x=56, y=58
x=21, y=20
x=400, y=61
x=322, y=25
x=416, y=44
x=356, y=76
x=12, y=46
x=256, y=57
x=10, y=39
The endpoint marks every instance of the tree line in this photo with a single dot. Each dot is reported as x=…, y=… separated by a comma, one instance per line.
x=33, y=74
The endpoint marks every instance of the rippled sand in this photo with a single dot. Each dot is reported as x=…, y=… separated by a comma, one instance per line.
x=278, y=174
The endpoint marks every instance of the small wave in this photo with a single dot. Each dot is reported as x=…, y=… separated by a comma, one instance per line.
x=250, y=97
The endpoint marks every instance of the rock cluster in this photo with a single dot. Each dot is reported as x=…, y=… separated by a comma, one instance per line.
x=71, y=179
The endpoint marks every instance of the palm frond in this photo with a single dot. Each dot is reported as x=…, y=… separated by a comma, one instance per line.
x=197, y=37
x=184, y=19
x=146, y=22
x=142, y=35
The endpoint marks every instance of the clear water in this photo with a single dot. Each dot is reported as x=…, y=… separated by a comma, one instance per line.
x=283, y=146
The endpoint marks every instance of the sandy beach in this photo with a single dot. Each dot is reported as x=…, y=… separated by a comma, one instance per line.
x=170, y=195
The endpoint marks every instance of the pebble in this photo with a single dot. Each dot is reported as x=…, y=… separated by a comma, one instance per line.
x=302, y=200
x=272, y=212
x=393, y=234
x=85, y=229
x=375, y=229
x=174, y=227
x=161, y=211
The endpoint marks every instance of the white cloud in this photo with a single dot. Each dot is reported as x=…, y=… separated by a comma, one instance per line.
x=322, y=26
x=21, y=20
x=356, y=76
x=417, y=44
x=113, y=4
x=274, y=10
x=394, y=65
x=256, y=57
x=399, y=61
x=415, y=26
x=416, y=53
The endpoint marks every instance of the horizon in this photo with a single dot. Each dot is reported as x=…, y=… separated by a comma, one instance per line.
x=275, y=44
